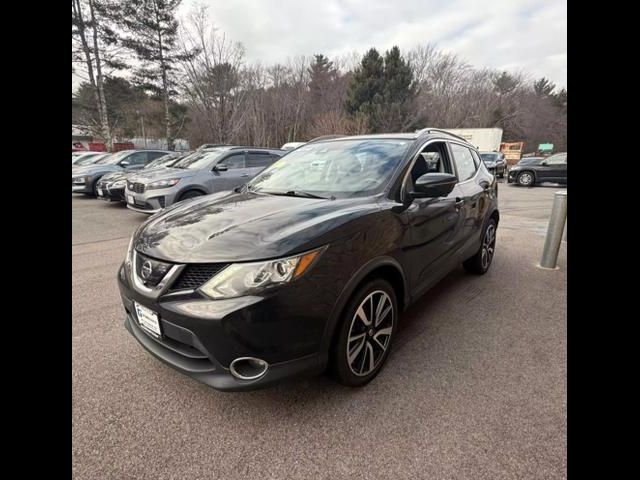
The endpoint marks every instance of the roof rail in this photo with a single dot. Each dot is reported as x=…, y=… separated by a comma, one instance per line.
x=429, y=130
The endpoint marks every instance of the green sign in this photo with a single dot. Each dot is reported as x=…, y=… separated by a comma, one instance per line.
x=545, y=147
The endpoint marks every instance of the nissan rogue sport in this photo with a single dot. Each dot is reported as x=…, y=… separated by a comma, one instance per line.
x=308, y=266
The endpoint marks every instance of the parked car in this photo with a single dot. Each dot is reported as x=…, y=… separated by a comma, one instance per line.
x=111, y=186
x=85, y=179
x=88, y=160
x=303, y=269
x=495, y=163
x=79, y=156
x=203, y=172
x=529, y=171
x=292, y=145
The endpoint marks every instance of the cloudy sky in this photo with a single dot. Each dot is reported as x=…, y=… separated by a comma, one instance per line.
x=529, y=35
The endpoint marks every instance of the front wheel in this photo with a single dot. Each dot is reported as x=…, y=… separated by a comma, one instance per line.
x=481, y=261
x=526, y=179
x=367, y=330
x=190, y=194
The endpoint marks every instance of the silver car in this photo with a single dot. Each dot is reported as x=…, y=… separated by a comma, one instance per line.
x=203, y=172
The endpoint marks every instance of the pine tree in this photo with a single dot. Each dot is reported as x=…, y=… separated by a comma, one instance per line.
x=543, y=87
x=382, y=91
x=152, y=35
x=399, y=91
x=322, y=75
x=366, y=90
x=505, y=83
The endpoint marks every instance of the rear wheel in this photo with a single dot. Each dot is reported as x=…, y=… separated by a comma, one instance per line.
x=367, y=330
x=481, y=261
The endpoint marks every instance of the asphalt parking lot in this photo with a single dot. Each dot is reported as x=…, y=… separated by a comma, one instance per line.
x=475, y=387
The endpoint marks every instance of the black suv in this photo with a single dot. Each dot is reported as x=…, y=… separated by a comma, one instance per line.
x=309, y=264
x=529, y=171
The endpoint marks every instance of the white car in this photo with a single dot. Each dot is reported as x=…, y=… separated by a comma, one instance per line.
x=292, y=145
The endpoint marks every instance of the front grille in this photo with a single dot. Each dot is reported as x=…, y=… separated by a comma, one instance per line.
x=194, y=275
x=136, y=187
x=150, y=271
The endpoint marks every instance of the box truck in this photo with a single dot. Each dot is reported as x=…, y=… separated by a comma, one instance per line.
x=484, y=139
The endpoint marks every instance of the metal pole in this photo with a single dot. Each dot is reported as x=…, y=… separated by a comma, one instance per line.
x=554, y=231
x=564, y=235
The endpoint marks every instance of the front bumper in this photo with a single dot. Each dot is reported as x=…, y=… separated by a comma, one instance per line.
x=81, y=188
x=150, y=201
x=513, y=174
x=105, y=192
x=283, y=329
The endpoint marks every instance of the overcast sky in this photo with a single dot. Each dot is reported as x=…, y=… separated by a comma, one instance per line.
x=529, y=35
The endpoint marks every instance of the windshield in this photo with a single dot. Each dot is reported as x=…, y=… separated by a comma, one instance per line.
x=198, y=160
x=490, y=157
x=341, y=169
x=114, y=158
x=91, y=159
x=164, y=161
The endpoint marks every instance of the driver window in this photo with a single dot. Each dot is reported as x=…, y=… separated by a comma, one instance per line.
x=233, y=161
x=138, y=158
x=432, y=159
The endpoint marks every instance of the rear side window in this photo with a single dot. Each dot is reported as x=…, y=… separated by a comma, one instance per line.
x=234, y=161
x=559, y=159
x=260, y=159
x=465, y=164
x=154, y=155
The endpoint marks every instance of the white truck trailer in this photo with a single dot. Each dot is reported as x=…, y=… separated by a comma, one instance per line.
x=484, y=139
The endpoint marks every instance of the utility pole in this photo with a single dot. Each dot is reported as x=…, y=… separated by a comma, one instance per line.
x=144, y=137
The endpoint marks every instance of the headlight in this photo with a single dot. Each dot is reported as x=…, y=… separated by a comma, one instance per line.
x=240, y=279
x=129, y=258
x=118, y=184
x=78, y=179
x=162, y=183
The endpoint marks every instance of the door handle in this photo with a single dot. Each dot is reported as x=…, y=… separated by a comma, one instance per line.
x=459, y=202
x=244, y=175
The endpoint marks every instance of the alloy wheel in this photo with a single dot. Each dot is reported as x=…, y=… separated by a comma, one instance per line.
x=525, y=179
x=370, y=333
x=488, y=246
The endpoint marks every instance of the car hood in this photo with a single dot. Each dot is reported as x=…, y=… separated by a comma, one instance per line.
x=147, y=176
x=233, y=227
x=96, y=169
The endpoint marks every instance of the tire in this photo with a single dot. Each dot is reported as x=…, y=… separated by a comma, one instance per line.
x=376, y=340
x=526, y=179
x=190, y=194
x=94, y=189
x=480, y=263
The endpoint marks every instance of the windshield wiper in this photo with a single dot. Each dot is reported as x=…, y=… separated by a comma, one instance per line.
x=297, y=193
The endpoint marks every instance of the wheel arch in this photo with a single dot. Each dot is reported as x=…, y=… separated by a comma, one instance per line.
x=190, y=188
x=385, y=267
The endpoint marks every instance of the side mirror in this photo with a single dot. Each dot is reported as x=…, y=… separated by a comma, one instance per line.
x=221, y=168
x=432, y=185
x=124, y=163
x=544, y=163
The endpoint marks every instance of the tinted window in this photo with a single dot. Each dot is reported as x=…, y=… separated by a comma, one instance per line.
x=234, y=161
x=464, y=162
x=260, y=159
x=559, y=159
x=154, y=155
x=138, y=158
